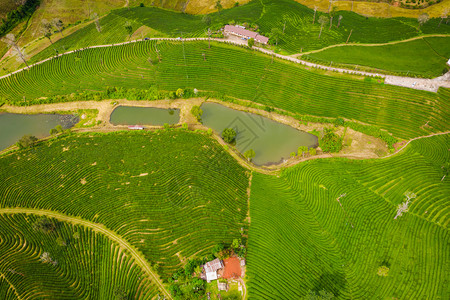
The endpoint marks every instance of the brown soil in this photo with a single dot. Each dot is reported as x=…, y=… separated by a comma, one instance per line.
x=232, y=268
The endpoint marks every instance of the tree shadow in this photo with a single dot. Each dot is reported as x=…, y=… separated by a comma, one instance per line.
x=330, y=282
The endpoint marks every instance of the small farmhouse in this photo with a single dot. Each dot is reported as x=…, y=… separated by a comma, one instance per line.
x=448, y=62
x=211, y=268
x=244, y=33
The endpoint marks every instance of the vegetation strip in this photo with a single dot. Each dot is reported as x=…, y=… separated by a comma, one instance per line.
x=140, y=259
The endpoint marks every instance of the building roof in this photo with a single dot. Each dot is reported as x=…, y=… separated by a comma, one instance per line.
x=211, y=276
x=222, y=286
x=213, y=266
x=247, y=33
x=232, y=268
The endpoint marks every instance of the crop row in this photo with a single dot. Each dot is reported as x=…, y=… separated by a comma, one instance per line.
x=329, y=224
x=169, y=194
x=297, y=21
x=234, y=72
x=79, y=263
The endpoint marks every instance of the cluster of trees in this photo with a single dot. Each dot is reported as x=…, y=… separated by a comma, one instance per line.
x=25, y=10
x=27, y=141
x=305, y=151
x=330, y=142
x=185, y=282
x=110, y=93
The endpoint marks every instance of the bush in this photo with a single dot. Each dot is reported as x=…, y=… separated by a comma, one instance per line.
x=141, y=5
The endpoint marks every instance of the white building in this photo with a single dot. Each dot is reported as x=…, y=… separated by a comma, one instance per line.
x=211, y=268
x=244, y=33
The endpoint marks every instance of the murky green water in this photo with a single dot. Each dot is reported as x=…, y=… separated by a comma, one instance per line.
x=129, y=115
x=272, y=141
x=14, y=126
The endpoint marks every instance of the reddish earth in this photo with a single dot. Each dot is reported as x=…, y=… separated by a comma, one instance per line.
x=232, y=268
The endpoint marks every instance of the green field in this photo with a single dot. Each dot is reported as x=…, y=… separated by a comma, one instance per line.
x=83, y=262
x=302, y=240
x=279, y=84
x=170, y=194
x=425, y=57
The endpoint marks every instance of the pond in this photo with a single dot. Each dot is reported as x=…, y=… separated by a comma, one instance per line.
x=129, y=115
x=14, y=126
x=272, y=141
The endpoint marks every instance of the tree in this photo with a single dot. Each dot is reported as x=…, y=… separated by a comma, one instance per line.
x=339, y=20
x=44, y=225
x=312, y=151
x=120, y=293
x=217, y=248
x=322, y=21
x=249, y=154
x=276, y=34
x=97, y=22
x=332, y=12
x=315, y=10
x=229, y=135
x=209, y=32
x=251, y=42
x=46, y=29
x=331, y=142
x=383, y=271
x=197, y=112
x=403, y=207
x=179, y=93
x=219, y=6
x=207, y=20
x=129, y=29
x=422, y=19
x=302, y=150
x=10, y=40
x=58, y=24
x=27, y=141
x=127, y=3
x=443, y=16
x=236, y=243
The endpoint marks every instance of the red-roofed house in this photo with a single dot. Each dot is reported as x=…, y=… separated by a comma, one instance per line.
x=247, y=34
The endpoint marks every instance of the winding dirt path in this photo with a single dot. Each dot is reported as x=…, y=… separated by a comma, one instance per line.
x=414, y=139
x=431, y=85
x=137, y=256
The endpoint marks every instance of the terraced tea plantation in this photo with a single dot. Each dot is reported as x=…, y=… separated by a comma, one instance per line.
x=429, y=56
x=65, y=262
x=401, y=111
x=114, y=212
x=330, y=225
x=294, y=19
x=170, y=194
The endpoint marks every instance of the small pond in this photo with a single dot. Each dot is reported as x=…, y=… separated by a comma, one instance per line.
x=271, y=141
x=130, y=115
x=14, y=126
